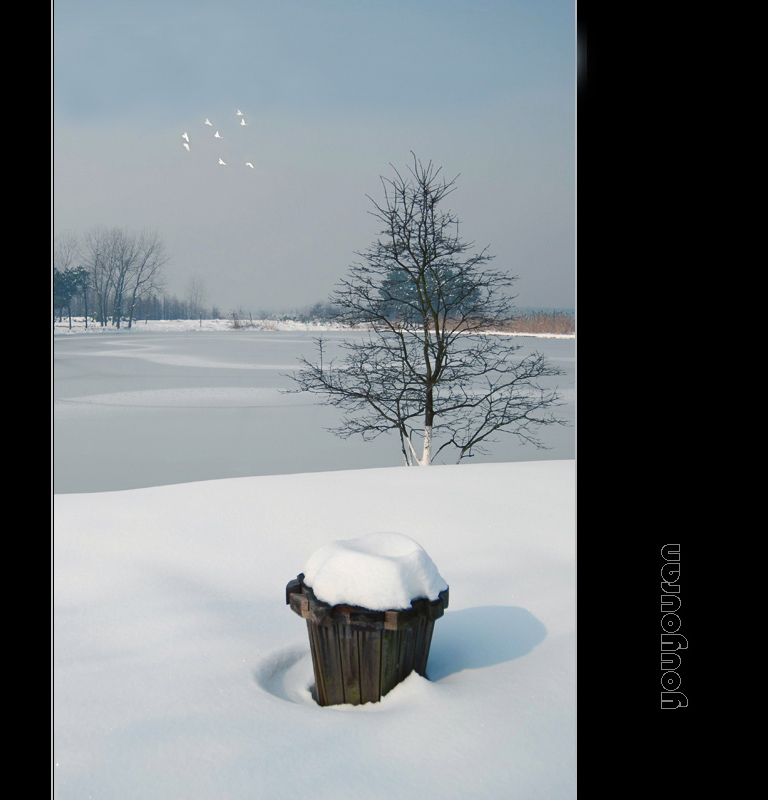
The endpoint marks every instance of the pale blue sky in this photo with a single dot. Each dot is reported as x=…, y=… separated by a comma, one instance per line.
x=332, y=91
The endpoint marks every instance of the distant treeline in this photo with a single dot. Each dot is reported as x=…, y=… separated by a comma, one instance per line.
x=72, y=298
x=154, y=307
x=171, y=307
x=112, y=276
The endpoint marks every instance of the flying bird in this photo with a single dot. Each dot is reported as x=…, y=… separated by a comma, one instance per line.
x=208, y=122
x=239, y=113
x=184, y=136
x=222, y=162
x=217, y=135
x=248, y=164
x=186, y=145
x=243, y=122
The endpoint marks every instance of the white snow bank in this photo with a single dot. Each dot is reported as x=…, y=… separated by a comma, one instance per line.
x=379, y=571
x=226, y=325
x=180, y=674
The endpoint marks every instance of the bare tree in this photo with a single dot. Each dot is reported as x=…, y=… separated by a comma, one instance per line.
x=97, y=253
x=197, y=294
x=66, y=251
x=430, y=366
x=145, y=273
x=124, y=267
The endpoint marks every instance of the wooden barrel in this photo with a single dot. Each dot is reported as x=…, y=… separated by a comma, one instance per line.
x=359, y=655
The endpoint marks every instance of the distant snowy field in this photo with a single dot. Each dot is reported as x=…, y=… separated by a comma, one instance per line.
x=178, y=670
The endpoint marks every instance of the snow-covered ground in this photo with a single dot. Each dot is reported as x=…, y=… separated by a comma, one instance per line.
x=179, y=672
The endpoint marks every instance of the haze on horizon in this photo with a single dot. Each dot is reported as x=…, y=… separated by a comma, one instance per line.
x=333, y=92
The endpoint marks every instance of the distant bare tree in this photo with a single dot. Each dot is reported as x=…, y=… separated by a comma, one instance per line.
x=66, y=251
x=197, y=294
x=124, y=267
x=99, y=253
x=145, y=273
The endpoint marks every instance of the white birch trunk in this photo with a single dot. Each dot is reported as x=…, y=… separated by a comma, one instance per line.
x=426, y=454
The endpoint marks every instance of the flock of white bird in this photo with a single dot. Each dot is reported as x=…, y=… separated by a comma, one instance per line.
x=218, y=135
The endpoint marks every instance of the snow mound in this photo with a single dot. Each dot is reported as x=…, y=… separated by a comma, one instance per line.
x=379, y=571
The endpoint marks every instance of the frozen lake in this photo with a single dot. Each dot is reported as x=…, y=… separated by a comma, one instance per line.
x=134, y=409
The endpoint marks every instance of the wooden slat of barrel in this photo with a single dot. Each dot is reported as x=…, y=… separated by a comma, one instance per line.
x=419, y=654
x=350, y=662
x=370, y=644
x=388, y=670
x=429, y=627
x=328, y=671
x=405, y=652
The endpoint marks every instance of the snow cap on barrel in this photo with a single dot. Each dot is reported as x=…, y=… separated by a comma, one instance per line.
x=378, y=571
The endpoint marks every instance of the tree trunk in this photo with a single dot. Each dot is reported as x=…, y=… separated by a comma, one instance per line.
x=426, y=456
x=429, y=418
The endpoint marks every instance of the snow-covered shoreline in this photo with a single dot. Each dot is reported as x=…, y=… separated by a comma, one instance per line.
x=226, y=326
